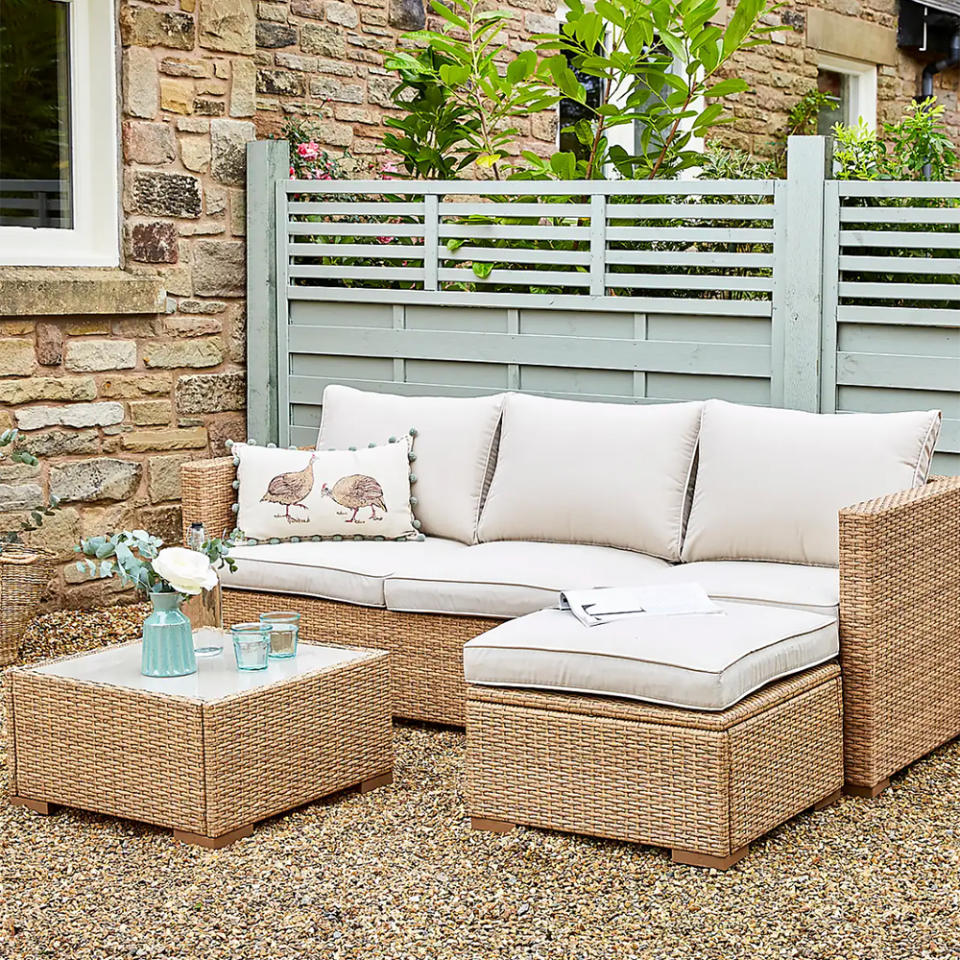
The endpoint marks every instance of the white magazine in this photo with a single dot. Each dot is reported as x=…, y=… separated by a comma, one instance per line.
x=605, y=604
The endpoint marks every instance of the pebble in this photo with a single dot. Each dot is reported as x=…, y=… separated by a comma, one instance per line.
x=396, y=874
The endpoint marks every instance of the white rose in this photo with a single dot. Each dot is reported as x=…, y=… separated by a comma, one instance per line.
x=187, y=571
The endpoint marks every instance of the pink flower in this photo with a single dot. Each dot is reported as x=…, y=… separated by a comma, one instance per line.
x=293, y=174
x=308, y=151
x=387, y=170
x=385, y=239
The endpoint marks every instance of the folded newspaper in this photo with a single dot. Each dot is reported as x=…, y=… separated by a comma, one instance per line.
x=605, y=604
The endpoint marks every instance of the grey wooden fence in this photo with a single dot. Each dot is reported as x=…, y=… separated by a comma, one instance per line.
x=805, y=293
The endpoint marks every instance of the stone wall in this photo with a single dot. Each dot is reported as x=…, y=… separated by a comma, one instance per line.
x=118, y=376
x=321, y=61
x=782, y=72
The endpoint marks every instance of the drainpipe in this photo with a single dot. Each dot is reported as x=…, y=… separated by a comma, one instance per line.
x=930, y=70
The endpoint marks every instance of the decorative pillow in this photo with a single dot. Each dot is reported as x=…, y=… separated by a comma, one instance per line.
x=770, y=483
x=455, y=445
x=573, y=471
x=325, y=494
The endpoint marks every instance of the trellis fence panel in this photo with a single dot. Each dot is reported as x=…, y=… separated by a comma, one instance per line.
x=797, y=292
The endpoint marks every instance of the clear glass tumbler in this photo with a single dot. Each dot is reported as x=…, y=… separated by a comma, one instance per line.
x=251, y=645
x=284, y=634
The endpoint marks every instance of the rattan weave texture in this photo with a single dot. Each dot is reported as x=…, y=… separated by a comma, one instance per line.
x=24, y=575
x=692, y=781
x=205, y=767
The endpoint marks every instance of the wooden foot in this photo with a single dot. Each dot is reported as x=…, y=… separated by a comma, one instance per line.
x=857, y=790
x=37, y=806
x=382, y=781
x=693, y=859
x=828, y=801
x=212, y=843
x=491, y=826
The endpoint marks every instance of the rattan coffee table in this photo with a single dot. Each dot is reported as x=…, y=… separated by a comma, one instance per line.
x=207, y=755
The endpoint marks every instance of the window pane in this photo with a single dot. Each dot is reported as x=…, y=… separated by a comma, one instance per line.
x=572, y=110
x=35, y=175
x=834, y=84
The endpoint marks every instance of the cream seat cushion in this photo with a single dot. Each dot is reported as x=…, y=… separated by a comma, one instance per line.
x=794, y=585
x=770, y=483
x=346, y=570
x=612, y=474
x=704, y=661
x=511, y=578
x=454, y=448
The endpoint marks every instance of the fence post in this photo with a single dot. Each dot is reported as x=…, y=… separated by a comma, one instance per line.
x=268, y=161
x=598, y=244
x=798, y=288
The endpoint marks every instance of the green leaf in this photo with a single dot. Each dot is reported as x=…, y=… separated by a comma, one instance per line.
x=441, y=10
x=564, y=164
x=482, y=269
x=726, y=87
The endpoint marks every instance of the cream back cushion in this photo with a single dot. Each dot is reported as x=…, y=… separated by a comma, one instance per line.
x=770, y=483
x=455, y=444
x=572, y=471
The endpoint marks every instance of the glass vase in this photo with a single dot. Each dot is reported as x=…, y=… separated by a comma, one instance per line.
x=167, y=639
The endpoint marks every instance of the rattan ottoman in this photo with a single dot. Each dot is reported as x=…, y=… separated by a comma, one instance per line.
x=703, y=784
x=207, y=755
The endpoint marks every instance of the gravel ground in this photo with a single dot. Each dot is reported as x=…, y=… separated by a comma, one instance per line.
x=397, y=874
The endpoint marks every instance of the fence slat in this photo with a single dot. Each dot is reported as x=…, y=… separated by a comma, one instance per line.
x=355, y=209
x=431, y=241
x=935, y=215
x=491, y=231
x=519, y=209
x=723, y=359
x=572, y=302
x=547, y=258
x=908, y=316
x=886, y=239
x=917, y=265
x=897, y=371
x=692, y=234
x=891, y=291
x=690, y=211
x=699, y=258
x=569, y=278
x=681, y=281
x=377, y=251
x=341, y=271
x=902, y=188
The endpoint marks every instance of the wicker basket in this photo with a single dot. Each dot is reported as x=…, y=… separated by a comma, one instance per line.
x=24, y=575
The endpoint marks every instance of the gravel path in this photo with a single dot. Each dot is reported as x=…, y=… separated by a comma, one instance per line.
x=397, y=874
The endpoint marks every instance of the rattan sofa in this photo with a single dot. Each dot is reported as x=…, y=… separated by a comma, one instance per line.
x=899, y=625
x=899, y=603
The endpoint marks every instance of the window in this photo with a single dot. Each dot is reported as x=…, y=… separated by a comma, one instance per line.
x=58, y=139
x=854, y=84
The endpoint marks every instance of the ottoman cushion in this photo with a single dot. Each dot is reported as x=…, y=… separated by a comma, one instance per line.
x=702, y=661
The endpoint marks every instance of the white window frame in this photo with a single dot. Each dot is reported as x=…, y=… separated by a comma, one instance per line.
x=860, y=86
x=94, y=240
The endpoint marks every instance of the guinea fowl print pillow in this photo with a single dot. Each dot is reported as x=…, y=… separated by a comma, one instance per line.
x=293, y=495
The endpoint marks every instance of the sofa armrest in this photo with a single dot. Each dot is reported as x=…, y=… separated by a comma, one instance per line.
x=899, y=627
x=208, y=495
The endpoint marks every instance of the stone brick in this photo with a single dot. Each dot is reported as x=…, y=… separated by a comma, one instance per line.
x=407, y=14
x=276, y=12
x=228, y=25
x=177, y=96
x=219, y=268
x=223, y=429
x=146, y=27
x=206, y=107
x=140, y=83
x=216, y=197
x=89, y=355
x=58, y=533
x=202, y=306
x=166, y=194
x=101, y=478
x=189, y=353
x=20, y=496
x=293, y=61
x=333, y=134
x=228, y=141
x=149, y=413
x=279, y=82
x=49, y=344
x=174, y=67
x=163, y=476
x=73, y=415
x=165, y=522
x=202, y=326
x=350, y=114
x=193, y=125
x=273, y=35
x=136, y=327
x=16, y=358
x=327, y=41
x=195, y=153
x=237, y=340
x=145, y=142
x=337, y=67
x=47, y=388
x=313, y=9
x=326, y=88
x=147, y=440
x=138, y=385
x=378, y=90
x=211, y=393
x=154, y=242
x=342, y=13
x=14, y=328
x=58, y=443
x=243, y=89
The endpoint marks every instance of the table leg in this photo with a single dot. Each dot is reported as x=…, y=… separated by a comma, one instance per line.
x=212, y=843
